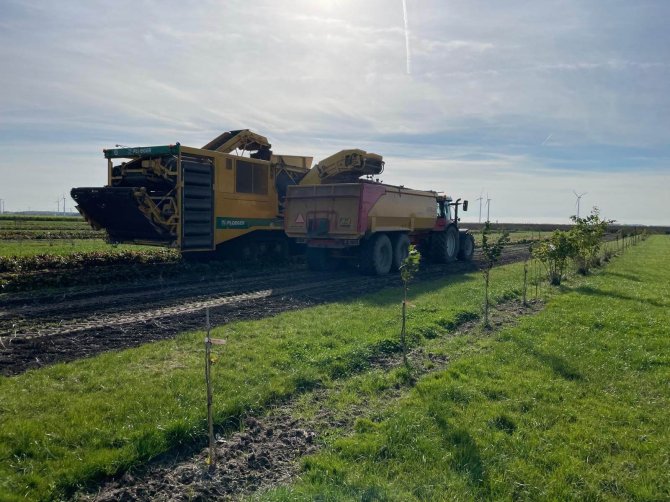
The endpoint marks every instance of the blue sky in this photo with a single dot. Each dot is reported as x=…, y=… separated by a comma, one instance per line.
x=523, y=100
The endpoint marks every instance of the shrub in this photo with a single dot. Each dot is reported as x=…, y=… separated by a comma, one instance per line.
x=554, y=253
x=587, y=235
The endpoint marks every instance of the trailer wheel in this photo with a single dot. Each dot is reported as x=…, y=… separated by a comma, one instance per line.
x=444, y=245
x=400, y=250
x=376, y=255
x=467, y=247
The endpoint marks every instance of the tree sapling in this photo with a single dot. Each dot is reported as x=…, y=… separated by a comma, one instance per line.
x=408, y=269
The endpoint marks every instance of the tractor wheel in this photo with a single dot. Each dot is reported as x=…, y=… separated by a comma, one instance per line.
x=467, y=247
x=320, y=259
x=444, y=245
x=400, y=250
x=376, y=255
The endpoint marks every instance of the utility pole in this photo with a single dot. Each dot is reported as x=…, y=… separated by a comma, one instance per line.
x=579, y=198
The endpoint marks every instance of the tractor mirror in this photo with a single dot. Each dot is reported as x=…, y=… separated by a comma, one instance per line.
x=465, y=205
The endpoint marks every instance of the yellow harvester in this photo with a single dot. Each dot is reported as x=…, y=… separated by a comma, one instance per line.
x=228, y=194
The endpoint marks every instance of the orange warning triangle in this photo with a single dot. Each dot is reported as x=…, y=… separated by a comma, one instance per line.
x=300, y=219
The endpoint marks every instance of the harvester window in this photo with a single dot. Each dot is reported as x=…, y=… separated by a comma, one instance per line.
x=251, y=178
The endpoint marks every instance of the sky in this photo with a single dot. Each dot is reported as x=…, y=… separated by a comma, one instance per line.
x=521, y=102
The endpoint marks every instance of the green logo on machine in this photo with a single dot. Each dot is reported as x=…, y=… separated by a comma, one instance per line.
x=228, y=223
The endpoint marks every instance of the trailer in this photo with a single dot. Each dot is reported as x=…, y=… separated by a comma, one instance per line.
x=375, y=224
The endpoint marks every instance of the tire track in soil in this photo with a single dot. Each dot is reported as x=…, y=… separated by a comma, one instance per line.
x=266, y=452
x=135, y=318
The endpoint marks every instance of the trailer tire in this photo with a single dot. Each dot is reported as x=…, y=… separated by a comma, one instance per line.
x=400, y=250
x=320, y=259
x=444, y=245
x=376, y=255
x=467, y=247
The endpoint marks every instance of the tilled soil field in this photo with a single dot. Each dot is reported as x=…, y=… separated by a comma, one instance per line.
x=68, y=324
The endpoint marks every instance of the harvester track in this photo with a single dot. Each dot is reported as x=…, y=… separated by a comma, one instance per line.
x=60, y=327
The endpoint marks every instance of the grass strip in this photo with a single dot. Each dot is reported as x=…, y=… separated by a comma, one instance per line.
x=68, y=424
x=570, y=404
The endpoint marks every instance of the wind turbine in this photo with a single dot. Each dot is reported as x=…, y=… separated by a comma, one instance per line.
x=58, y=205
x=488, y=207
x=480, y=205
x=64, y=204
x=579, y=198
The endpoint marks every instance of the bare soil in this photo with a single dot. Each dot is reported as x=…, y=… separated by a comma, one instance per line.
x=262, y=455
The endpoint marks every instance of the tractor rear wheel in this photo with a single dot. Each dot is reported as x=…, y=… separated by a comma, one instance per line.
x=376, y=255
x=467, y=247
x=400, y=250
x=444, y=245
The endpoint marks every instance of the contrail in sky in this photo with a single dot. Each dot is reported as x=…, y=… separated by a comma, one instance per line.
x=546, y=139
x=409, y=60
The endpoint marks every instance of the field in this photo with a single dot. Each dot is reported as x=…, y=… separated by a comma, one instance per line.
x=64, y=247
x=563, y=398
x=46, y=228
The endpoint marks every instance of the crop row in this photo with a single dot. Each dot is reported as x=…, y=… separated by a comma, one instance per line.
x=20, y=217
x=46, y=235
x=40, y=262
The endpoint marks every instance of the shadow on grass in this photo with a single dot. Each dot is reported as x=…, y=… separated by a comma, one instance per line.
x=629, y=277
x=559, y=365
x=466, y=458
x=591, y=291
x=423, y=284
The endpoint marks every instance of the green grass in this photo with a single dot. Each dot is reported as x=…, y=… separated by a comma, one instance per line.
x=63, y=247
x=567, y=405
x=67, y=424
x=571, y=404
x=516, y=236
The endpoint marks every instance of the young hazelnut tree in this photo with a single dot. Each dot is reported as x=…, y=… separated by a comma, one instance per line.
x=491, y=252
x=554, y=253
x=587, y=235
x=408, y=269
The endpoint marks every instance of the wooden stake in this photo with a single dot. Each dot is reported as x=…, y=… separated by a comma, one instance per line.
x=403, y=333
x=208, y=381
x=525, y=282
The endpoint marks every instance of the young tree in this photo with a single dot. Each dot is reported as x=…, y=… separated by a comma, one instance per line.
x=587, y=234
x=553, y=253
x=408, y=269
x=491, y=251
